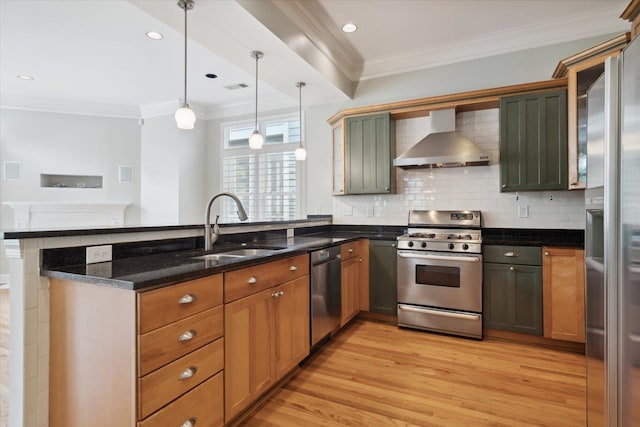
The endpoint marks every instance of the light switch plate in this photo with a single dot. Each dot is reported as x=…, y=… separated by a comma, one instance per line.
x=523, y=211
x=98, y=254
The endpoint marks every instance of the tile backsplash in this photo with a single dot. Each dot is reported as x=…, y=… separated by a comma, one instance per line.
x=474, y=188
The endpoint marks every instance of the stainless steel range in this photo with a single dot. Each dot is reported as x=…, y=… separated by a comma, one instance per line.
x=440, y=273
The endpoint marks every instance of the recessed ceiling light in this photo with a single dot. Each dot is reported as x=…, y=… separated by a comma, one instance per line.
x=153, y=35
x=25, y=77
x=349, y=27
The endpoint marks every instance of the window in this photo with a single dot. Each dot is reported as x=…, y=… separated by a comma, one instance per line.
x=267, y=181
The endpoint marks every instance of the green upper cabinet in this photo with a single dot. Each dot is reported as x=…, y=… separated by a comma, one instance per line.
x=369, y=150
x=533, y=142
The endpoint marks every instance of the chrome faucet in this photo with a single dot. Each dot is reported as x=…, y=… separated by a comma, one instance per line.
x=211, y=237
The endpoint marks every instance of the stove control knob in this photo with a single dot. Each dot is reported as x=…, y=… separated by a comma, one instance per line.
x=424, y=244
x=451, y=246
x=465, y=246
x=410, y=244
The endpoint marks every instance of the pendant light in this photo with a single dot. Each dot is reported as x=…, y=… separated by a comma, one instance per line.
x=185, y=117
x=301, y=153
x=256, y=139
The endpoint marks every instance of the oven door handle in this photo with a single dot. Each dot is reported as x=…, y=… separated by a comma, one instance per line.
x=439, y=257
x=439, y=312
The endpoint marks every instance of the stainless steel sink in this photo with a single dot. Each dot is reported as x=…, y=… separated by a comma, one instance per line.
x=237, y=253
x=218, y=257
x=249, y=252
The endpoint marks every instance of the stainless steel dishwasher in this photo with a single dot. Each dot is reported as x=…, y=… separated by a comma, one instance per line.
x=325, y=292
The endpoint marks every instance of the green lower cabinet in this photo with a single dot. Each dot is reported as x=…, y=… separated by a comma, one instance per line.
x=382, y=276
x=513, y=298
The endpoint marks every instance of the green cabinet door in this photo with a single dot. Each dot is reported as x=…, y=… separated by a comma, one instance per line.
x=382, y=276
x=369, y=152
x=533, y=142
x=513, y=298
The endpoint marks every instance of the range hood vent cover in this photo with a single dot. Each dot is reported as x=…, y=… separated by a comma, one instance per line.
x=443, y=148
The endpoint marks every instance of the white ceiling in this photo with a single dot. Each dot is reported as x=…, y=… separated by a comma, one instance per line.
x=93, y=56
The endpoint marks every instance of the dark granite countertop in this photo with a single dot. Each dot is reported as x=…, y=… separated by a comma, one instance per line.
x=159, y=269
x=533, y=237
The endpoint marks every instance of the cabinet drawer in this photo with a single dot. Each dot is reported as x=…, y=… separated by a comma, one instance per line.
x=240, y=283
x=525, y=255
x=204, y=404
x=170, y=342
x=162, y=306
x=349, y=250
x=165, y=384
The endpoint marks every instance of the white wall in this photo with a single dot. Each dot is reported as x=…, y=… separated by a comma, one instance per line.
x=69, y=144
x=173, y=170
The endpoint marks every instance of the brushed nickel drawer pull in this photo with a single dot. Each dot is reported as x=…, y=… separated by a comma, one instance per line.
x=191, y=422
x=252, y=280
x=187, y=299
x=187, y=336
x=293, y=268
x=511, y=254
x=187, y=373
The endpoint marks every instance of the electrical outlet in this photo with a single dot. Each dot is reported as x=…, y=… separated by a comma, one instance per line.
x=98, y=254
x=523, y=211
x=370, y=211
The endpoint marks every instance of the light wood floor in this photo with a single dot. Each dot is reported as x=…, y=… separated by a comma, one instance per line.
x=4, y=357
x=375, y=374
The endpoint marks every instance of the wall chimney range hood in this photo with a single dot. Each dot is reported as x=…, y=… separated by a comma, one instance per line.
x=443, y=147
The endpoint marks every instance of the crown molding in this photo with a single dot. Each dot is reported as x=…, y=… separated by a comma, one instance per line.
x=169, y=108
x=63, y=106
x=569, y=28
x=247, y=108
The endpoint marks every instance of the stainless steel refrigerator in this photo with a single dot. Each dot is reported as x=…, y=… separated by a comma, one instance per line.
x=612, y=246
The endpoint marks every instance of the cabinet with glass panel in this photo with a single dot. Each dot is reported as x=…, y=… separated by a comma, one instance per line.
x=581, y=70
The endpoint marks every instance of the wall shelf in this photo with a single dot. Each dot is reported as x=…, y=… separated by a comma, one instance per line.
x=70, y=181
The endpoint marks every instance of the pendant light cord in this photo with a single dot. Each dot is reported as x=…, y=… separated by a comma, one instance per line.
x=185, y=55
x=300, y=84
x=257, y=56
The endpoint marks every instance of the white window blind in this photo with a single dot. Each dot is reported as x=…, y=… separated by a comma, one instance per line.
x=267, y=180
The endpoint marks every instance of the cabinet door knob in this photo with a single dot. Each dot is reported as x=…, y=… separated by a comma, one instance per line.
x=504, y=185
x=360, y=260
x=187, y=299
x=293, y=268
x=187, y=373
x=191, y=422
x=350, y=250
x=187, y=335
x=546, y=253
x=511, y=254
x=252, y=280
x=512, y=268
x=281, y=293
x=393, y=245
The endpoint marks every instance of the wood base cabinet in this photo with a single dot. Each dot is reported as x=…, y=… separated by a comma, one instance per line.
x=563, y=282
x=351, y=273
x=266, y=332
x=126, y=358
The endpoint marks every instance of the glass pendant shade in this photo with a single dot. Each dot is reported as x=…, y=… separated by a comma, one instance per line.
x=301, y=154
x=185, y=117
x=256, y=140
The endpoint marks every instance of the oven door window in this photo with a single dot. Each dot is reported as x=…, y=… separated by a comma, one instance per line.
x=434, y=275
